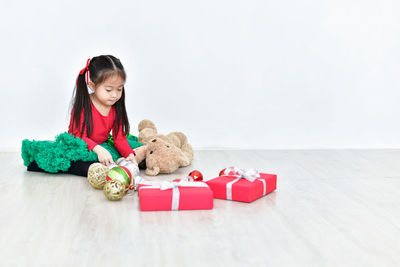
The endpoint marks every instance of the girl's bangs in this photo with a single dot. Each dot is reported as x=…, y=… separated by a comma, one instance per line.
x=106, y=74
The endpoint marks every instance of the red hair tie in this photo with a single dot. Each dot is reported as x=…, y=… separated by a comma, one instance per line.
x=86, y=68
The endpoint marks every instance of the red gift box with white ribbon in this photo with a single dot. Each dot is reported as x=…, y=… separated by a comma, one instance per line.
x=181, y=195
x=242, y=185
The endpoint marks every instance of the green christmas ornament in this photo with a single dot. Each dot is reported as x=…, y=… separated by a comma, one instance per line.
x=120, y=174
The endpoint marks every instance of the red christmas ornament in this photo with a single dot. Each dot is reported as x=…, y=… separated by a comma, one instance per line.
x=196, y=175
x=222, y=172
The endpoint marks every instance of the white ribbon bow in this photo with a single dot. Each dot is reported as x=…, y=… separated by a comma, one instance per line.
x=164, y=185
x=250, y=175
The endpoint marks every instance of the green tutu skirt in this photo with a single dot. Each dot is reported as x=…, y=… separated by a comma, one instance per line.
x=54, y=156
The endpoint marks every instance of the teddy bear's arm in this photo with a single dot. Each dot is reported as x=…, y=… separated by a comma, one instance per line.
x=140, y=153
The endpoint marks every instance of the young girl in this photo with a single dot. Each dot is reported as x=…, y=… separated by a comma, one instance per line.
x=95, y=115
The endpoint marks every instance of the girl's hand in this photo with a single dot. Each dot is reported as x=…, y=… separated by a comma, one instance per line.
x=103, y=155
x=132, y=158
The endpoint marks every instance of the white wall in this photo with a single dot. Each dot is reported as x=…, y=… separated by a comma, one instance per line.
x=230, y=74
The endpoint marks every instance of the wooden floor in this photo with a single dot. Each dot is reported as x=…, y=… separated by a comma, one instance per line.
x=331, y=208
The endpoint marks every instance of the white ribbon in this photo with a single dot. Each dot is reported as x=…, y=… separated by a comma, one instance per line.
x=132, y=167
x=251, y=175
x=165, y=185
x=111, y=165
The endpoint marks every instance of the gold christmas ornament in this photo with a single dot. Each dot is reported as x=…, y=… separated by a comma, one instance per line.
x=114, y=190
x=97, y=174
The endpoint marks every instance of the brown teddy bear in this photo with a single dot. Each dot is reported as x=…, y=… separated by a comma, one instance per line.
x=163, y=153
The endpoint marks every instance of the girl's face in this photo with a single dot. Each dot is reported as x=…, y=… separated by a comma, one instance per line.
x=109, y=91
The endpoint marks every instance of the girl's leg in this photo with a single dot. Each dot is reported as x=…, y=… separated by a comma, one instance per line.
x=33, y=167
x=79, y=168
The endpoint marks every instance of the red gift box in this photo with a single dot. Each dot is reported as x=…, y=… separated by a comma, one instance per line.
x=182, y=196
x=235, y=187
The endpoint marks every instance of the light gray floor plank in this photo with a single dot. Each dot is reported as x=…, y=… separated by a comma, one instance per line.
x=332, y=208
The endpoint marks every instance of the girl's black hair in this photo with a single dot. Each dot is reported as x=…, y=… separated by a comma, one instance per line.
x=100, y=69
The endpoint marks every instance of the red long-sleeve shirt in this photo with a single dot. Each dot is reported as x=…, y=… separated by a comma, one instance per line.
x=102, y=126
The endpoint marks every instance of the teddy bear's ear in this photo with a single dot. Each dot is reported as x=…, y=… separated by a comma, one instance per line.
x=152, y=172
x=147, y=124
x=146, y=135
